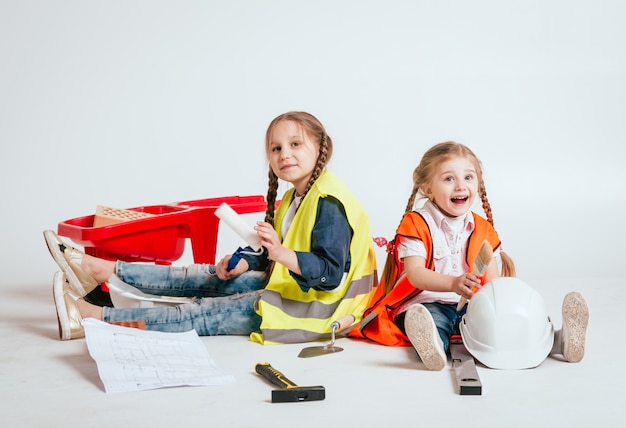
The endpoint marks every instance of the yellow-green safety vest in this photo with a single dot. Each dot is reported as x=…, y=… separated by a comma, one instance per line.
x=290, y=315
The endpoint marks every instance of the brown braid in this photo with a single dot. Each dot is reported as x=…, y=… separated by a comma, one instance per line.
x=271, y=197
x=269, y=215
x=322, y=160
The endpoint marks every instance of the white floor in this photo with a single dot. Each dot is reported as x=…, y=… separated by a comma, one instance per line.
x=49, y=383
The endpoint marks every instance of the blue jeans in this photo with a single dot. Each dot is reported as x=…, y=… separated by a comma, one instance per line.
x=220, y=308
x=446, y=319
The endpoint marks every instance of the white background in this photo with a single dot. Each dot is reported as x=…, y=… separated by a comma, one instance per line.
x=130, y=103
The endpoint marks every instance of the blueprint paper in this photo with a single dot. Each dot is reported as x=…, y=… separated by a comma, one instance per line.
x=130, y=359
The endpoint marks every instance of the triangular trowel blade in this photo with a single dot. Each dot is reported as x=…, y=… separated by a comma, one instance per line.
x=315, y=351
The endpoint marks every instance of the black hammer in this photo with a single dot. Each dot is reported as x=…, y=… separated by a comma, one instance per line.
x=289, y=391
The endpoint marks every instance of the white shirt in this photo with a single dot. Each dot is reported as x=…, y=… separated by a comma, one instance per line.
x=290, y=214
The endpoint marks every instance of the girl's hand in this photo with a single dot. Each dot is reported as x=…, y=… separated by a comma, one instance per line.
x=275, y=250
x=466, y=285
x=269, y=239
x=224, y=274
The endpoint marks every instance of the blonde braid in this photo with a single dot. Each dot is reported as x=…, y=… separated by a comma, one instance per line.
x=411, y=201
x=482, y=191
x=390, y=270
x=508, y=266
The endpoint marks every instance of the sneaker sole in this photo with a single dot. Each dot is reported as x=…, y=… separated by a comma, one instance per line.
x=575, y=321
x=423, y=334
x=63, y=320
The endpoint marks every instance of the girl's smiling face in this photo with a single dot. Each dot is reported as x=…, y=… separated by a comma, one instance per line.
x=292, y=155
x=453, y=186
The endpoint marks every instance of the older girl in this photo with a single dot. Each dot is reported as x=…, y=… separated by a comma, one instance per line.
x=318, y=263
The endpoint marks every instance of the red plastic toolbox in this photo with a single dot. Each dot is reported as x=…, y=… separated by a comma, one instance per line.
x=161, y=237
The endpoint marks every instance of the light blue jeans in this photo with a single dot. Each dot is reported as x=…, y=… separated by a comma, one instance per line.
x=446, y=319
x=220, y=307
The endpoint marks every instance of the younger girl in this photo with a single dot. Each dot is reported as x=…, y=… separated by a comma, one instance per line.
x=429, y=265
x=318, y=262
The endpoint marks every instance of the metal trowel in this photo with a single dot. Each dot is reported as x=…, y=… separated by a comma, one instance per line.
x=335, y=326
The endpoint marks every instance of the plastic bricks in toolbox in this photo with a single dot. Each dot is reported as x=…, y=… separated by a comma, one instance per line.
x=159, y=238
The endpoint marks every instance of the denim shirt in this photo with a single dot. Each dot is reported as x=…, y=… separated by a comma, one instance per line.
x=323, y=267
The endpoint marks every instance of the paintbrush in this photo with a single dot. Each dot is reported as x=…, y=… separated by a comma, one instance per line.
x=485, y=254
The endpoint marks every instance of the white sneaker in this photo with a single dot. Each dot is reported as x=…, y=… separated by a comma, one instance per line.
x=573, y=333
x=422, y=332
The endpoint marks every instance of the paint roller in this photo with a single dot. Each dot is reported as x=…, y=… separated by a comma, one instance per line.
x=243, y=229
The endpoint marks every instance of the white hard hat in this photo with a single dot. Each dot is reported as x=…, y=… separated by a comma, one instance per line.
x=506, y=325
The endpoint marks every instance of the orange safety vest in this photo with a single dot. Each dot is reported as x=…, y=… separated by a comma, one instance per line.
x=378, y=323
